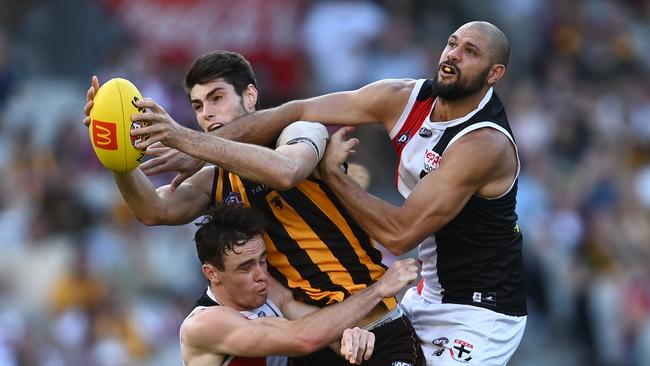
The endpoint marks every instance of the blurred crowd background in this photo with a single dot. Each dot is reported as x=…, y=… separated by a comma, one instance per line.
x=83, y=283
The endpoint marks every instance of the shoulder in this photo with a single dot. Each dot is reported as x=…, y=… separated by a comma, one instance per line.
x=488, y=139
x=386, y=99
x=481, y=153
x=200, y=326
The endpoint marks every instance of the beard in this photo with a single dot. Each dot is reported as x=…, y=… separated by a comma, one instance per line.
x=459, y=88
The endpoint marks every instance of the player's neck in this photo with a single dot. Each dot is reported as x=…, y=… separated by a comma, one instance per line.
x=448, y=110
x=222, y=299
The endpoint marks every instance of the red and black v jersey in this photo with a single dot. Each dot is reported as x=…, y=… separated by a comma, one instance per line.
x=314, y=247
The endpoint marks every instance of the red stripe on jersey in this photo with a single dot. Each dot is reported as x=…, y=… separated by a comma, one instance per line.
x=412, y=124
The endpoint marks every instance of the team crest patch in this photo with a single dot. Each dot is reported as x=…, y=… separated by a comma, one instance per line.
x=233, y=199
x=461, y=351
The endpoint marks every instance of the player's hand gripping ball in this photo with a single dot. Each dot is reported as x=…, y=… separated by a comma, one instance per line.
x=110, y=126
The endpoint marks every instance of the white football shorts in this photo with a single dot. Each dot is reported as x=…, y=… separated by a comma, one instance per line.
x=454, y=334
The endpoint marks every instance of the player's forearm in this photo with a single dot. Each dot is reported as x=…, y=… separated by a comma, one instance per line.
x=140, y=195
x=261, y=127
x=324, y=327
x=378, y=218
x=257, y=163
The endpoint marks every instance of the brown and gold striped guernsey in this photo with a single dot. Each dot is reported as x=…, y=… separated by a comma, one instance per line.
x=314, y=246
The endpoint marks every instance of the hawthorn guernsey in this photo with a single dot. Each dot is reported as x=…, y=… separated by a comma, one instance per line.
x=110, y=126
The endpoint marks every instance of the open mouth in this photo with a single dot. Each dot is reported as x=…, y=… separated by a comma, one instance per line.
x=448, y=70
x=214, y=126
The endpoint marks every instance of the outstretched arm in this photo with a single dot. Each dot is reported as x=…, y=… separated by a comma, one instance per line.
x=355, y=345
x=281, y=168
x=481, y=162
x=221, y=330
x=381, y=101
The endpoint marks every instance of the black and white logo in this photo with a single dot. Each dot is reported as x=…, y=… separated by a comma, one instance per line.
x=425, y=132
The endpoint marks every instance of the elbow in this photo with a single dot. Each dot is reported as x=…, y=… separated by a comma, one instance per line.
x=399, y=245
x=148, y=221
x=287, y=178
x=395, y=248
x=396, y=251
x=151, y=217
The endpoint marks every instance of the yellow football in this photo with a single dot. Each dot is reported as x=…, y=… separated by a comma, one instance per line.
x=110, y=126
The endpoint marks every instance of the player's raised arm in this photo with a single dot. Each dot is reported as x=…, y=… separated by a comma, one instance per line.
x=374, y=103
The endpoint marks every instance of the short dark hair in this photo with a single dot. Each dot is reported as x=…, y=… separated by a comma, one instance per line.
x=224, y=228
x=228, y=65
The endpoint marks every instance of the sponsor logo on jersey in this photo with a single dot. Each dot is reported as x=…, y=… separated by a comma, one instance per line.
x=488, y=298
x=431, y=161
x=401, y=363
x=233, y=199
x=440, y=342
x=403, y=138
x=425, y=132
x=476, y=297
x=105, y=135
x=258, y=189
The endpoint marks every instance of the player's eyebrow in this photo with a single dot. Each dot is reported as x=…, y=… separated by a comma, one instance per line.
x=468, y=43
x=210, y=93
x=245, y=263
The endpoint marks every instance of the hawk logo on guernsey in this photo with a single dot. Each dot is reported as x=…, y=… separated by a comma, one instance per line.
x=277, y=202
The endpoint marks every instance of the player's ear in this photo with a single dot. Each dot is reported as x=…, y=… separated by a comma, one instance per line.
x=496, y=73
x=210, y=272
x=249, y=97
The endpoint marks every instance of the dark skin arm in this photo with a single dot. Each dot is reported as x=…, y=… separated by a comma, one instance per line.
x=381, y=101
x=482, y=162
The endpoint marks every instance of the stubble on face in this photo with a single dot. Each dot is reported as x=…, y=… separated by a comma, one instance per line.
x=459, y=88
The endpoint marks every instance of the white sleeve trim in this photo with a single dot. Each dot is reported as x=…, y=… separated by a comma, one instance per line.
x=487, y=124
x=407, y=108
